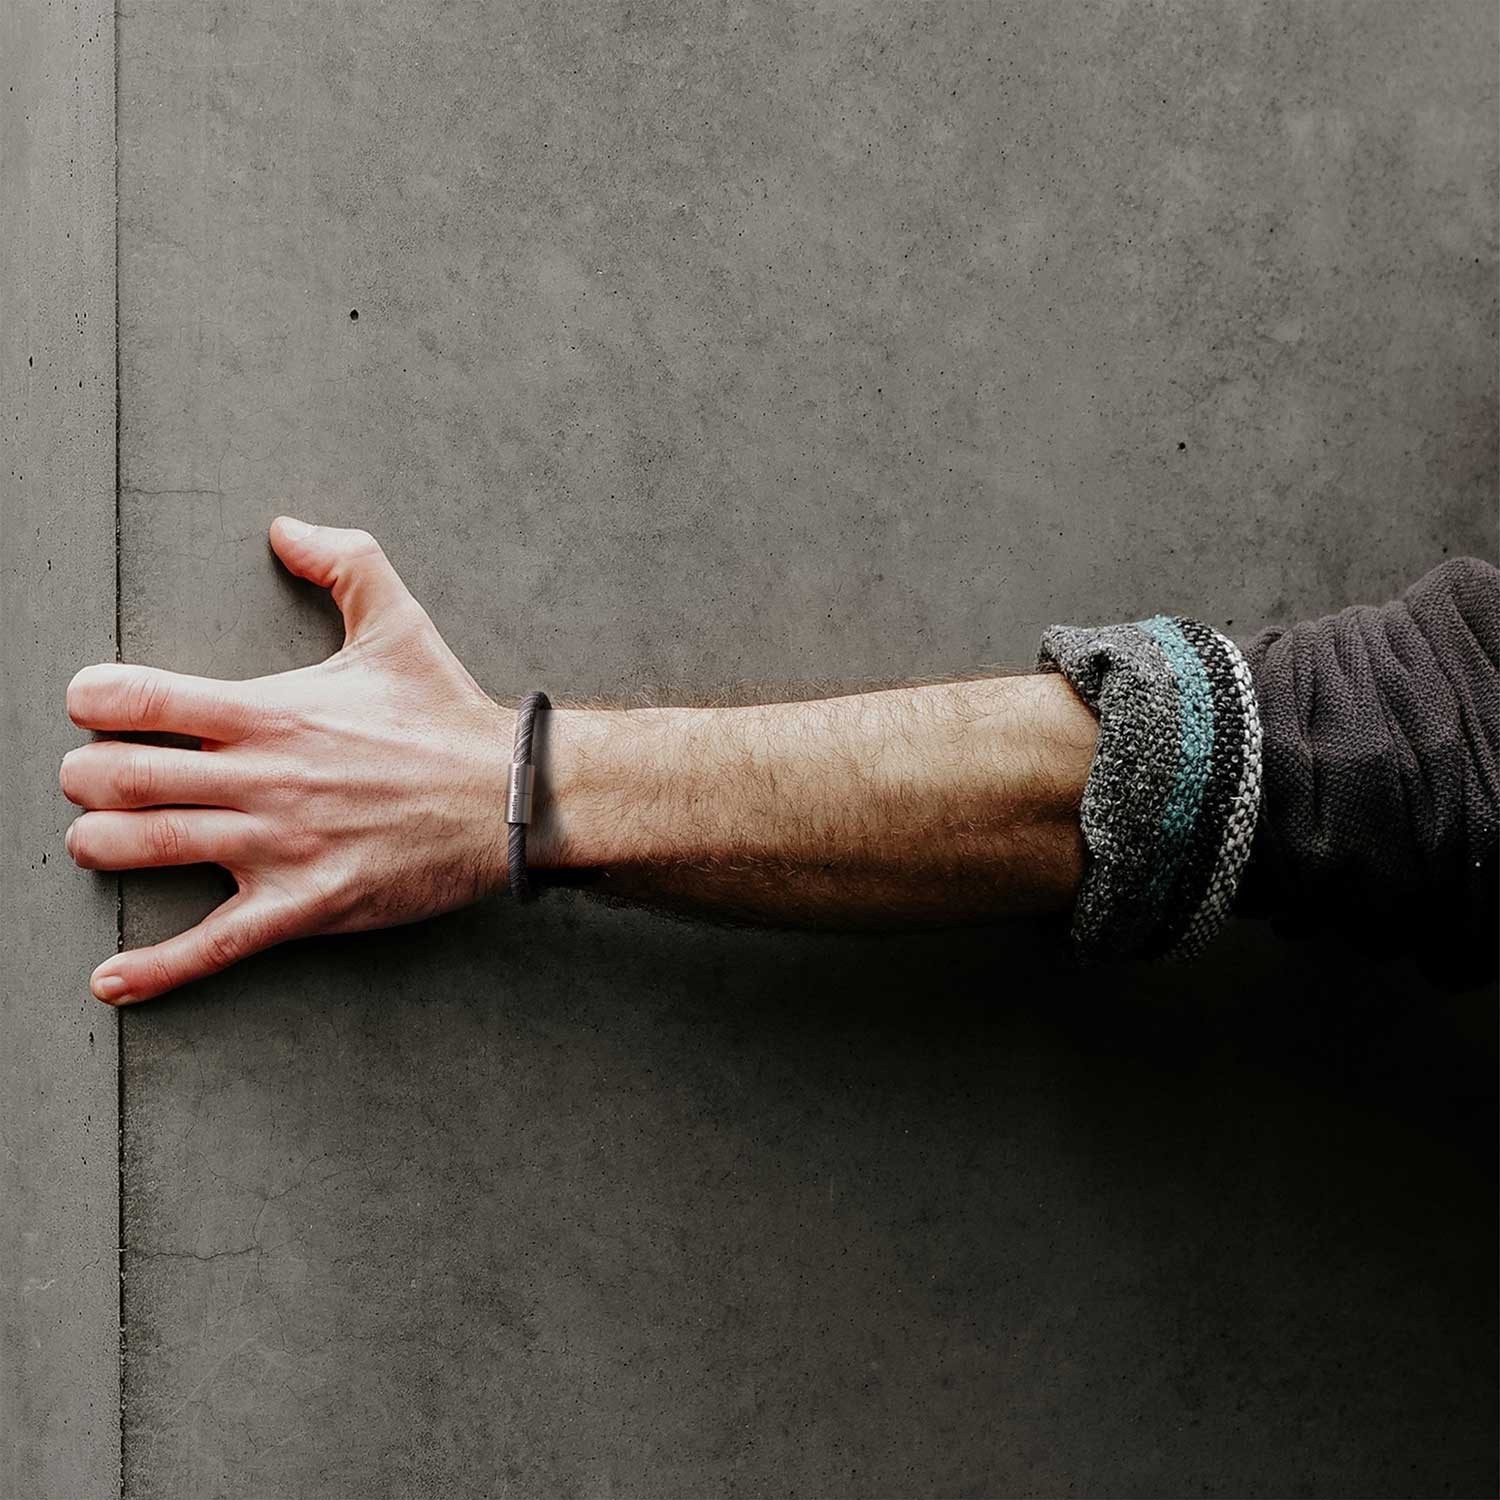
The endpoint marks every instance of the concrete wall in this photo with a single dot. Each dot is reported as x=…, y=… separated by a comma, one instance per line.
x=59, y=1208
x=796, y=343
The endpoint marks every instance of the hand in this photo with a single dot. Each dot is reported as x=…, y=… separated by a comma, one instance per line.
x=362, y=792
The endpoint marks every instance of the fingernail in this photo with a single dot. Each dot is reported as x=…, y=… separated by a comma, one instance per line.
x=110, y=988
x=295, y=529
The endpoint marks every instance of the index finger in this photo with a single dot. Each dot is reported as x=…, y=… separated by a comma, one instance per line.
x=115, y=697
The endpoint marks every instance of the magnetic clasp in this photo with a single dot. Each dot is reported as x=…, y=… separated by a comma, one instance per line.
x=518, y=804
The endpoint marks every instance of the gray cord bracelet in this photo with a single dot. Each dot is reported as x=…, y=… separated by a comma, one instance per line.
x=518, y=802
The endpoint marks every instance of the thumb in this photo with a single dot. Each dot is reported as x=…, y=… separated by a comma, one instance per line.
x=232, y=931
x=350, y=563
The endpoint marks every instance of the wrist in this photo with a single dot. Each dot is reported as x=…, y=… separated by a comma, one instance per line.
x=598, y=803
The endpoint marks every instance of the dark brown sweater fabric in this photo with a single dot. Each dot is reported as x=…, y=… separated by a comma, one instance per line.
x=1380, y=816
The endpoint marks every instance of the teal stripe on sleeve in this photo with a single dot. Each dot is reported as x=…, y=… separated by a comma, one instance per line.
x=1196, y=725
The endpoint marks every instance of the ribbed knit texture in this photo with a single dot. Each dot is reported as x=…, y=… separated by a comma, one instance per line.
x=1339, y=775
x=1173, y=795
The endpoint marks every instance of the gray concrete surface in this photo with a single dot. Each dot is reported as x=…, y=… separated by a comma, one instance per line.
x=59, y=1205
x=743, y=343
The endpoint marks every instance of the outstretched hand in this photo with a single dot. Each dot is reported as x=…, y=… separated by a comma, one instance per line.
x=362, y=792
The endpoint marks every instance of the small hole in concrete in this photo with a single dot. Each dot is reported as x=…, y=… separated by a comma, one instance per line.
x=1181, y=446
x=354, y=315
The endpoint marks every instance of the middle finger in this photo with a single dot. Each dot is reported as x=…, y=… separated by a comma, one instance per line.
x=118, y=774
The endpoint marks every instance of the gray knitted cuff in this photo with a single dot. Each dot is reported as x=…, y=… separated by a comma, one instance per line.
x=1172, y=797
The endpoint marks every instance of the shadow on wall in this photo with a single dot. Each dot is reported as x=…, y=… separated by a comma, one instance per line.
x=617, y=1173
x=1308, y=1014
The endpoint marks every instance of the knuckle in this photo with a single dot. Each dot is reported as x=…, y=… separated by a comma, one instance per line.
x=167, y=838
x=255, y=775
x=135, y=779
x=222, y=947
x=158, y=974
x=253, y=716
x=146, y=698
x=307, y=846
x=262, y=719
x=288, y=779
x=236, y=718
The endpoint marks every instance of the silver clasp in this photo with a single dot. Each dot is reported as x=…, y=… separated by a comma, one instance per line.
x=518, y=804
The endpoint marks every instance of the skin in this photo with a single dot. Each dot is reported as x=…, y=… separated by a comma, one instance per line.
x=369, y=790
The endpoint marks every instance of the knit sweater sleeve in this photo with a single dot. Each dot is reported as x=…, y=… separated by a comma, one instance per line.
x=1380, y=814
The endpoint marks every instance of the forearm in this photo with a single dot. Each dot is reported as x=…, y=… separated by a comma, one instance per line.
x=937, y=804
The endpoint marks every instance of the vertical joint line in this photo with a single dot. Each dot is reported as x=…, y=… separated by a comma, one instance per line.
x=119, y=879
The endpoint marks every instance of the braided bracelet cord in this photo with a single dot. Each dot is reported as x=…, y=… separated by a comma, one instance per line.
x=518, y=802
x=1173, y=795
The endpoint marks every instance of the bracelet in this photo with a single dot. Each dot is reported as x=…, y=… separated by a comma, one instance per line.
x=518, y=802
x=1173, y=795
